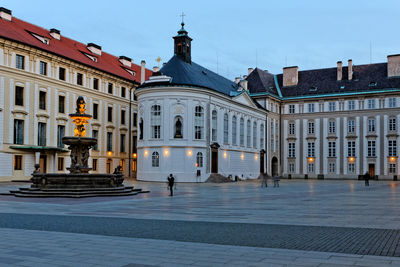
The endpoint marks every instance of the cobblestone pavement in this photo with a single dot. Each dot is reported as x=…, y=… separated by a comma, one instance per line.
x=304, y=222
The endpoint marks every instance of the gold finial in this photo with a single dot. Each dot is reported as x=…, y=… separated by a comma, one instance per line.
x=158, y=59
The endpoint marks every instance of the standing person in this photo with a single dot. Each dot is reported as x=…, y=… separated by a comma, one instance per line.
x=264, y=180
x=366, y=178
x=171, y=181
x=276, y=181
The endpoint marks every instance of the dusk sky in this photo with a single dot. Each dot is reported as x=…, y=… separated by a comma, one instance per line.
x=236, y=34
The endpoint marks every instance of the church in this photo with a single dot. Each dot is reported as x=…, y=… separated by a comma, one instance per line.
x=194, y=123
x=331, y=123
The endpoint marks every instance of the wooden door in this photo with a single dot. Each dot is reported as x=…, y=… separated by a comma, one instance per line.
x=371, y=170
x=43, y=163
x=214, y=161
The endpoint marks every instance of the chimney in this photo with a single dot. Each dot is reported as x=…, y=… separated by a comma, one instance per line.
x=5, y=14
x=250, y=70
x=126, y=61
x=243, y=84
x=237, y=80
x=94, y=48
x=290, y=76
x=339, y=71
x=350, y=68
x=393, y=66
x=55, y=34
x=156, y=69
x=142, y=71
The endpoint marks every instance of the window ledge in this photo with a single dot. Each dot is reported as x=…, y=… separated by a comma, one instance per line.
x=18, y=111
x=45, y=115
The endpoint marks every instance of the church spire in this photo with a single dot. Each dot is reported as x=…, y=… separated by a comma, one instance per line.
x=182, y=44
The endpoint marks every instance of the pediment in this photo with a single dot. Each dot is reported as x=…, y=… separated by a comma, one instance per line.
x=245, y=99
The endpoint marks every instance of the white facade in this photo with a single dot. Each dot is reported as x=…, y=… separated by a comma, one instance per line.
x=180, y=155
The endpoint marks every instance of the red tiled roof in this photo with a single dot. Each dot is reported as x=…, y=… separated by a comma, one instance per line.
x=18, y=30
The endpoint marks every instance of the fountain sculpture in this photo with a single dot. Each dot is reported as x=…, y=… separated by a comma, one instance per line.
x=79, y=182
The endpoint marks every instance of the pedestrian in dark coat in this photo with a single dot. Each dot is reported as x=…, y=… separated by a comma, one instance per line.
x=366, y=178
x=171, y=181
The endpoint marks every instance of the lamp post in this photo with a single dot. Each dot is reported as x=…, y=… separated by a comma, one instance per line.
x=130, y=129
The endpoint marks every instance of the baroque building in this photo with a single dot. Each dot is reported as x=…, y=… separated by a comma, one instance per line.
x=41, y=75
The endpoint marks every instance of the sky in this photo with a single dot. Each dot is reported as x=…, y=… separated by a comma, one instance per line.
x=228, y=36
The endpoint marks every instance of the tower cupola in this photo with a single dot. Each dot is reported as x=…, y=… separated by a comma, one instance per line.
x=182, y=44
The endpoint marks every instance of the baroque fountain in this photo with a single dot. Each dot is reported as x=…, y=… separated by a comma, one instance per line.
x=79, y=182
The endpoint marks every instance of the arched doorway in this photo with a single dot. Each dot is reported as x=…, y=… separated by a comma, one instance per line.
x=214, y=157
x=274, y=166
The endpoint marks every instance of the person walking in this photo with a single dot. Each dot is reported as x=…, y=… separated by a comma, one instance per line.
x=366, y=178
x=276, y=181
x=171, y=181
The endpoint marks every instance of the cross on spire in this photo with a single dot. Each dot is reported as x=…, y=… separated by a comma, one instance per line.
x=182, y=15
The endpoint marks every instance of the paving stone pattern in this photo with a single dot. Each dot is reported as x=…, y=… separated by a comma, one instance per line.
x=361, y=241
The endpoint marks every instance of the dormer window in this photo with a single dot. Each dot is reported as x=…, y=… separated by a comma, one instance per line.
x=372, y=84
x=342, y=87
x=131, y=72
x=93, y=58
x=41, y=38
x=313, y=89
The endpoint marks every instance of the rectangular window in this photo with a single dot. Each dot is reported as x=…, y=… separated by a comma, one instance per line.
x=18, y=162
x=331, y=167
x=371, y=149
x=331, y=149
x=226, y=131
x=61, y=73
x=110, y=88
x=109, y=114
x=311, y=149
x=134, y=119
x=234, y=131
x=351, y=125
x=95, y=134
x=60, y=135
x=94, y=165
x=95, y=111
x=262, y=136
x=371, y=125
x=311, y=127
x=42, y=100
x=352, y=168
x=332, y=106
x=392, y=145
x=392, y=168
x=198, y=121
x=41, y=134
x=18, y=132
x=122, y=143
x=20, y=62
x=60, y=164
x=311, y=107
x=156, y=122
x=392, y=124
x=292, y=150
x=19, y=96
x=331, y=127
x=43, y=68
x=95, y=83
x=61, y=104
x=310, y=167
x=351, y=105
x=248, y=141
x=291, y=128
x=291, y=109
x=392, y=102
x=351, y=149
x=371, y=103
x=241, y=132
x=109, y=141
x=123, y=91
x=79, y=79
x=123, y=117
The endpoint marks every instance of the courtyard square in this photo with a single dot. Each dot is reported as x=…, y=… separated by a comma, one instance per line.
x=303, y=222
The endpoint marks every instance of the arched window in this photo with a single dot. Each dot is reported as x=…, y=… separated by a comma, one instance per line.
x=155, y=159
x=226, y=131
x=241, y=131
x=254, y=135
x=214, y=126
x=198, y=122
x=234, y=131
x=141, y=129
x=248, y=133
x=199, y=159
x=262, y=136
x=156, y=122
x=178, y=127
